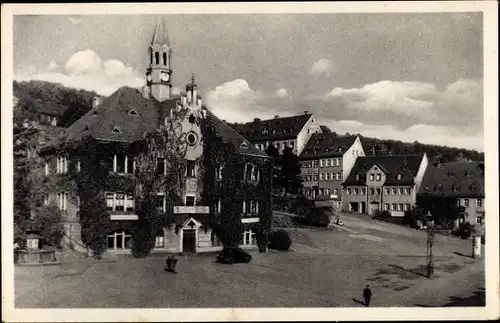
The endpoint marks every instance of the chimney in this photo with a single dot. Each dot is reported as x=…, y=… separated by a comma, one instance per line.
x=306, y=112
x=96, y=101
x=199, y=102
x=256, y=120
x=276, y=117
x=194, y=94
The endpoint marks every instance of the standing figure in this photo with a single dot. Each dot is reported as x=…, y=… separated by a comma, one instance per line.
x=367, y=294
x=171, y=262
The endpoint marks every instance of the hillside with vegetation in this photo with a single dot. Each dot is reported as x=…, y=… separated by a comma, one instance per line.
x=34, y=96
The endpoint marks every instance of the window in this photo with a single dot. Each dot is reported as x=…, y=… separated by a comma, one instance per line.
x=394, y=206
x=216, y=206
x=120, y=202
x=133, y=113
x=120, y=163
x=401, y=191
x=321, y=176
x=160, y=202
x=479, y=220
x=407, y=191
x=327, y=191
x=387, y=191
x=327, y=162
x=327, y=176
x=357, y=177
x=119, y=241
x=399, y=177
x=459, y=202
x=254, y=207
x=387, y=207
x=129, y=203
x=116, y=130
x=249, y=238
x=336, y=191
x=47, y=170
x=338, y=176
x=190, y=200
x=372, y=191
x=372, y=177
x=479, y=203
x=45, y=200
x=110, y=201
x=394, y=191
x=378, y=191
x=160, y=242
x=363, y=191
x=190, y=168
x=400, y=207
x=466, y=202
x=348, y=191
x=160, y=166
x=315, y=177
x=407, y=207
x=379, y=177
x=338, y=161
x=218, y=172
x=62, y=165
x=321, y=161
x=356, y=191
x=215, y=240
x=62, y=201
x=78, y=166
x=130, y=165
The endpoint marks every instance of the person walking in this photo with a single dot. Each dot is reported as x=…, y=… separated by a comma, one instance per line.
x=367, y=294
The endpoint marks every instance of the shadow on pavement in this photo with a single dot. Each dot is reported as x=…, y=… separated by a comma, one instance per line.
x=358, y=301
x=478, y=299
x=461, y=254
x=408, y=270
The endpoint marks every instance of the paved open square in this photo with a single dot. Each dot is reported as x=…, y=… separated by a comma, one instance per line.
x=325, y=268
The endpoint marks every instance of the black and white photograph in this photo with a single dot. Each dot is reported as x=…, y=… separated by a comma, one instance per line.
x=250, y=161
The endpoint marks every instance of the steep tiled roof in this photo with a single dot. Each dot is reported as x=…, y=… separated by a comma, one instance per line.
x=229, y=135
x=326, y=145
x=277, y=129
x=456, y=179
x=160, y=37
x=406, y=165
x=126, y=116
x=114, y=119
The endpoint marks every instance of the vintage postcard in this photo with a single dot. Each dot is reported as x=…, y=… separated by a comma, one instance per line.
x=250, y=161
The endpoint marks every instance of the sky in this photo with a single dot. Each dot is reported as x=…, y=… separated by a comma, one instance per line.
x=403, y=76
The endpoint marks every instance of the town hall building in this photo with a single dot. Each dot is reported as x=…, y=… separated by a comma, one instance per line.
x=121, y=120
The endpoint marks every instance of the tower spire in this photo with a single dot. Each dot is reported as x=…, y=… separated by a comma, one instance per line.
x=160, y=36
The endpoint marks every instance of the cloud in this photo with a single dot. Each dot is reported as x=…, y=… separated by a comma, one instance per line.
x=282, y=93
x=52, y=66
x=86, y=70
x=322, y=67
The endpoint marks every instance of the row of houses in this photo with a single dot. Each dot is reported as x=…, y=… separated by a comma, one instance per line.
x=336, y=169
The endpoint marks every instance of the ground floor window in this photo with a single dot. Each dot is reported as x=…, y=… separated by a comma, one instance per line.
x=215, y=240
x=160, y=242
x=119, y=241
x=387, y=207
x=248, y=238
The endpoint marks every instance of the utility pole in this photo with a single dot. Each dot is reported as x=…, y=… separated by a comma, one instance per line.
x=430, y=243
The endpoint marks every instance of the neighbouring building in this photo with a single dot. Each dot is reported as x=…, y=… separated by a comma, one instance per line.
x=378, y=183
x=293, y=132
x=326, y=161
x=118, y=122
x=457, y=186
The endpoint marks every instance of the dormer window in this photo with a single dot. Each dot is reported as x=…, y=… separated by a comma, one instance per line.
x=399, y=177
x=133, y=113
x=116, y=130
x=244, y=145
x=265, y=132
x=274, y=131
x=192, y=119
x=86, y=128
x=357, y=177
x=340, y=149
x=94, y=113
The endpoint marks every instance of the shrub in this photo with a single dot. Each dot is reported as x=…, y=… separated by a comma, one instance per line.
x=280, y=240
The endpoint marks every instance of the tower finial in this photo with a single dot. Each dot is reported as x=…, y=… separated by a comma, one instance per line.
x=160, y=36
x=192, y=79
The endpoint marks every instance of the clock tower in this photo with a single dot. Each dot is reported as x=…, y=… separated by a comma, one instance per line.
x=158, y=73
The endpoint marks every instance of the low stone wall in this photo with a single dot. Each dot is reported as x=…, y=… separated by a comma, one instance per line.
x=34, y=256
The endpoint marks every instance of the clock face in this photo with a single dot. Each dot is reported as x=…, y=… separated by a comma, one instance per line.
x=165, y=77
x=149, y=77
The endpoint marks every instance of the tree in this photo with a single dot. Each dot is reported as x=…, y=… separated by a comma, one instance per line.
x=290, y=179
x=91, y=183
x=47, y=222
x=274, y=153
x=169, y=144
